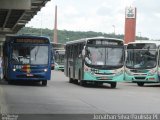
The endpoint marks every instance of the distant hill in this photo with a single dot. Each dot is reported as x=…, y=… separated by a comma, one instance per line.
x=64, y=35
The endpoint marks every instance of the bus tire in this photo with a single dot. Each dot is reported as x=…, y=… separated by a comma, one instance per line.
x=82, y=82
x=76, y=81
x=10, y=82
x=44, y=83
x=140, y=84
x=71, y=80
x=113, y=84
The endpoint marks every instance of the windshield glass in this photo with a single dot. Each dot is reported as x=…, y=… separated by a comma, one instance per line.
x=59, y=57
x=101, y=56
x=141, y=55
x=141, y=58
x=30, y=55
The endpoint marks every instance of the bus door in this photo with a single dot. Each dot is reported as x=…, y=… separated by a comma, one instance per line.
x=158, y=62
x=70, y=61
x=129, y=60
x=66, y=61
x=77, y=62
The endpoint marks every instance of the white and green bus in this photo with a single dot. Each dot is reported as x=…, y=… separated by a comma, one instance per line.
x=59, y=59
x=59, y=52
x=95, y=60
x=142, y=62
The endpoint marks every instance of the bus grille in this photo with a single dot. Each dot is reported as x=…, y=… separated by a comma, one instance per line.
x=141, y=74
x=104, y=73
x=140, y=78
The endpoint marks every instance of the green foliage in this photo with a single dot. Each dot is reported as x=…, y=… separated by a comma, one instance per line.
x=64, y=35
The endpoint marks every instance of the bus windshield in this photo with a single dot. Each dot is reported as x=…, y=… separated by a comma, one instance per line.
x=141, y=56
x=30, y=54
x=59, y=57
x=102, y=56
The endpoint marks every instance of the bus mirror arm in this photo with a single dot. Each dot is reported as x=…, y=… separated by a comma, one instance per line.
x=83, y=53
x=80, y=55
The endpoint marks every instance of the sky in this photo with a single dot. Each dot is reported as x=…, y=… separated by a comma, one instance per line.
x=104, y=16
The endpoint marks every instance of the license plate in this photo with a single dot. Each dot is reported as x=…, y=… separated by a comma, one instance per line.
x=103, y=78
x=29, y=75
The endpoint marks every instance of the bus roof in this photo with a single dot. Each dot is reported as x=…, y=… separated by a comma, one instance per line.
x=10, y=38
x=84, y=40
x=157, y=42
x=25, y=36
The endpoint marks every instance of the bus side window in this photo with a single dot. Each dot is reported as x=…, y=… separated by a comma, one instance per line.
x=75, y=50
x=68, y=52
x=159, y=57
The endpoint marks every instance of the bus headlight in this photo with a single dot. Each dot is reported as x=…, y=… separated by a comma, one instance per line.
x=45, y=70
x=152, y=72
x=14, y=69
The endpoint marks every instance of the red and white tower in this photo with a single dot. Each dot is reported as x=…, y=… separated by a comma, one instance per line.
x=130, y=25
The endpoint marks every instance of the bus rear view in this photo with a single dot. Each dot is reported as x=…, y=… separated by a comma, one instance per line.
x=27, y=58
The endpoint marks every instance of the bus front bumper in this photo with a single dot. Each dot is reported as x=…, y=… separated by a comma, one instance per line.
x=103, y=78
x=139, y=78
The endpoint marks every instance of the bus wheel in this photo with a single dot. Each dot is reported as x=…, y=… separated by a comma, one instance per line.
x=76, y=81
x=140, y=84
x=10, y=82
x=82, y=82
x=113, y=84
x=71, y=80
x=44, y=83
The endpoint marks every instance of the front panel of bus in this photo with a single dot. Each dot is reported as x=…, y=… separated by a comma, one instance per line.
x=104, y=60
x=141, y=63
x=59, y=60
x=29, y=61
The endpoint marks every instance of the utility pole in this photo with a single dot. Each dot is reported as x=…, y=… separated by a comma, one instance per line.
x=114, y=32
x=55, y=38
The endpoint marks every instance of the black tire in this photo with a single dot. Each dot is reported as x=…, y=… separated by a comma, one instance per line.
x=10, y=82
x=140, y=84
x=71, y=80
x=75, y=81
x=113, y=84
x=5, y=78
x=44, y=83
x=83, y=83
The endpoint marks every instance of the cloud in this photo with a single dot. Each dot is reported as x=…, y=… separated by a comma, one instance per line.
x=100, y=16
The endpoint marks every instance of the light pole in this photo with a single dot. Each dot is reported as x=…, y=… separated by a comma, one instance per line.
x=41, y=24
x=114, y=32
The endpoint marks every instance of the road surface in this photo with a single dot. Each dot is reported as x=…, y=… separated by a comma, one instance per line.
x=62, y=97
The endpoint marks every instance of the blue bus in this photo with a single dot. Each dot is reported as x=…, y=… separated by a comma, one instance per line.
x=95, y=60
x=27, y=58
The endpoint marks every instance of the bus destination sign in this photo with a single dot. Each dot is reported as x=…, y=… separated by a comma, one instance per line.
x=29, y=40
